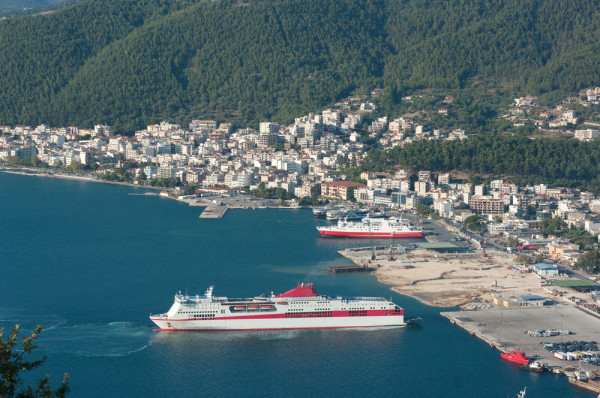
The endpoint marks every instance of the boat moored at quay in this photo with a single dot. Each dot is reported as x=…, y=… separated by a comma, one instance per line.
x=372, y=228
x=322, y=211
x=516, y=356
x=299, y=308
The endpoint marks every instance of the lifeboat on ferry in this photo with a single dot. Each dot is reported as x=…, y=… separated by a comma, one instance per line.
x=266, y=307
x=239, y=307
x=253, y=307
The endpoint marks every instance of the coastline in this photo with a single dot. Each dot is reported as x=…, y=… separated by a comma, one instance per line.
x=206, y=202
x=33, y=172
x=438, y=280
x=448, y=280
x=434, y=279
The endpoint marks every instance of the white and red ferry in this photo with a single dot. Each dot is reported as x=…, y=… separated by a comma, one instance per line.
x=372, y=228
x=299, y=308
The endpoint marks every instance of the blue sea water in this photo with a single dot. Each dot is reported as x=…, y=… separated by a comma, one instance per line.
x=90, y=263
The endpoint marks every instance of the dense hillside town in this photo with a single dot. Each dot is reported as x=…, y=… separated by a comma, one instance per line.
x=307, y=159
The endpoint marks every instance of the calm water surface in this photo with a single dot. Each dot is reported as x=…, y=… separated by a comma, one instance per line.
x=90, y=263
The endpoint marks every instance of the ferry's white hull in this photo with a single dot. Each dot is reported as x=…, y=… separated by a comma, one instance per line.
x=372, y=228
x=299, y=308
x=278, y=323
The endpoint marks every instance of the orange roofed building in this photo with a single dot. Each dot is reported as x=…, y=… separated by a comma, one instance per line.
x=339, y=189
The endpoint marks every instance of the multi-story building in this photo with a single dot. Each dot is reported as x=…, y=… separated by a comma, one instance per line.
x=485, y=205
x=422, y=187
x=339, y=189
x=587, y=135
x=444, y=207
x=24, y=152
x=479, y=190
x=424, y=175
x=268, y=128
x=444, y=179
x=266, y=140
x=166, y=172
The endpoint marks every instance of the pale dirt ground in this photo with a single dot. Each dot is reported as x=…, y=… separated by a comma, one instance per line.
x=447, y=280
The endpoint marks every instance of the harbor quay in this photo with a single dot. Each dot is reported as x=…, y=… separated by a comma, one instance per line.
x=506, y=329
x=216, y=206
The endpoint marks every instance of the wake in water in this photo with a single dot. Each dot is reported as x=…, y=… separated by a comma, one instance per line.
x=11, y=316
x=207, y=336
x=113, y=339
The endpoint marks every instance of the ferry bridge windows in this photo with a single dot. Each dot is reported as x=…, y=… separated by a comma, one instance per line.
x=204, y=316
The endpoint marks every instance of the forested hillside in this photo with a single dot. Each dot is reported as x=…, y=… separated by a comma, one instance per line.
x=19, y=5
x=560, y=162
x=132, y=62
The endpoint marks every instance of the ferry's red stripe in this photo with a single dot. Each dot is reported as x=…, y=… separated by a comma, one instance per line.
x=335, y=314
x=251, y=330
x=417, y=234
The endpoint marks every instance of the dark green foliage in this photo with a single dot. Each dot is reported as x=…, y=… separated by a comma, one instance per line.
x=553, y=226
x=19, y=7
x=560, y=162
x=40, y=55
x=190, y=189
x=524, y=259
x=13, y=365
x=165, y=182
x=141, y=176
x=424, y=210
x=512, y=242
x=74, y=167
x=129, y=63
x=584, y=239
x=32, y=161
x=558, y=227
x=473, y=223
x=270, y=193
x=590, y=262
x=309, y=201
x=119, y=175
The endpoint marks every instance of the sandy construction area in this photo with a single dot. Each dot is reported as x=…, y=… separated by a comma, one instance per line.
x=446, y=280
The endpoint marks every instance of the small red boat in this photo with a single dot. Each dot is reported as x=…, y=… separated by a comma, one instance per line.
x=516, y=356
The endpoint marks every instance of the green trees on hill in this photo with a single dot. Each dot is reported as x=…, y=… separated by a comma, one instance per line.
x=129, y=63
x=561, y=162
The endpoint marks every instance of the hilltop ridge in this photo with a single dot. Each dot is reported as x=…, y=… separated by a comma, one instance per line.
x=130, y=63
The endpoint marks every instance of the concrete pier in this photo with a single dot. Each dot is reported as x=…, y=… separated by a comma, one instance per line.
x=213, y=212
x=506, y=329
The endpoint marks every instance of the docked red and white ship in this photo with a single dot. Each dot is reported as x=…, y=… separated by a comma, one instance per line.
x=372, y=228
x=299, y=308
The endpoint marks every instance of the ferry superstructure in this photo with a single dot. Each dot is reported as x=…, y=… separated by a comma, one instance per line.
x=372, y=228
x=299, y=308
